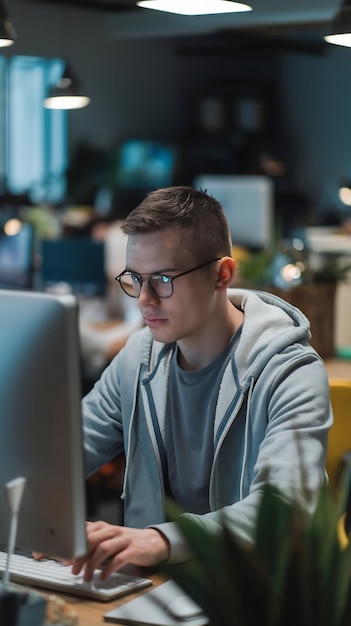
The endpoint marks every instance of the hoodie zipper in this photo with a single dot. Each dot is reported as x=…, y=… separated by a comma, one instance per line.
x=155, y=432
x=226, y=423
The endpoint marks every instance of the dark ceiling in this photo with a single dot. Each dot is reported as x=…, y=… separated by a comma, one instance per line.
x=99, y=5
x=290, y=37
x=117, y=6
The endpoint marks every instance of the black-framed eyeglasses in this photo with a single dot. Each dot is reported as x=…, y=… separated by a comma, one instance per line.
x=160, y=284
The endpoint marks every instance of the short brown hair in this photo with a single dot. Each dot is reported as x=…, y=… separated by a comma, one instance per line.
x=198, y=214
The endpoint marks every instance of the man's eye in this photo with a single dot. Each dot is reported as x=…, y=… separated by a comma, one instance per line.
x=135, y=278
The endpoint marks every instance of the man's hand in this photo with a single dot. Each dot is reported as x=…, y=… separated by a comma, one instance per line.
x=119, y=546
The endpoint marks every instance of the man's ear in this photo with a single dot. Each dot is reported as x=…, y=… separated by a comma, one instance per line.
x=226, y=273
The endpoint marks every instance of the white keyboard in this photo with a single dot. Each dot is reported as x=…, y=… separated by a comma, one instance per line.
x=54, y=575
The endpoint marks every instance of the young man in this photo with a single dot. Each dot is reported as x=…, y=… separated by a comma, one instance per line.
x=220, y=393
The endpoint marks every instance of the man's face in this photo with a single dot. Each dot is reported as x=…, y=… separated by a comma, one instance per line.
x=184, y=315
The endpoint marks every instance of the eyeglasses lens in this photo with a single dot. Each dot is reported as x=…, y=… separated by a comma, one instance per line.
x=130, y=285
x=160, y=285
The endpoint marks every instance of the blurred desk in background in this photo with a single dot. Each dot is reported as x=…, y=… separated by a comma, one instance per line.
x=103, y=333
x=338, y=368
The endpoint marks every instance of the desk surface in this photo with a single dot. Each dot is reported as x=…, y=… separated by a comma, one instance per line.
x=91, y=612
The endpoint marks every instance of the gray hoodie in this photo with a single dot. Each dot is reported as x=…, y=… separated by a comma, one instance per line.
x=272, y=420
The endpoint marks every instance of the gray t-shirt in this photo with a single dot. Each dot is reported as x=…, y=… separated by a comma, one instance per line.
x=192, y=399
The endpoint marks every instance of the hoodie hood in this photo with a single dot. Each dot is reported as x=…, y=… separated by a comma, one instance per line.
x=270, y=326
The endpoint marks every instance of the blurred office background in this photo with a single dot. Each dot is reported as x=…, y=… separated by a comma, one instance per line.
x=226, y=91
x=173, y=99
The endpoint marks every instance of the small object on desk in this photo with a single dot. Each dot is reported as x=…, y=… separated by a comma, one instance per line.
x=21, y=607
x=51, y=574
x=60, y=613
x=166, y=605
x=18, y=606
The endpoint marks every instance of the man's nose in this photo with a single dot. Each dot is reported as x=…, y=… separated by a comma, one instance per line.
x=146, y=294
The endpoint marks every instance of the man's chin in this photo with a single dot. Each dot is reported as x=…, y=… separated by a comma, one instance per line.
x=161, y=335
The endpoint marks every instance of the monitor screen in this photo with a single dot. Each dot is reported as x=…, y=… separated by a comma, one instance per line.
x=16, y=258
x=146, y=165
x=77, y=262
x=248, y=204
x=40, y=422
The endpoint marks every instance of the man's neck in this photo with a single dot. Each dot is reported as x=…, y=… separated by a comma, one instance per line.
x=197, y=352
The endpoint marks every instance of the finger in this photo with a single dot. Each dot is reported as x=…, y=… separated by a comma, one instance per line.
x=98, y=533
x=95, y=533
x=114, y=565
x=77, y=564
x=108, y=549
x=37, y=556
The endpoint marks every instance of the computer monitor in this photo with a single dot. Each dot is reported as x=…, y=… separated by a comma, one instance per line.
x=142, y=165
x=146, y=164
x=40, y=422
x=16, y=258
x=248, y=204
x=77, y=262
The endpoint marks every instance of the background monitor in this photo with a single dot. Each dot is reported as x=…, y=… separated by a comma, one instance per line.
x=144, y=164
x=77, y=262
x=40, y=421
x=248, y=204
x=16, y=258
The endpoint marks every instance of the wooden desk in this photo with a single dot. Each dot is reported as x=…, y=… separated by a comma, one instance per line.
x=91, y=612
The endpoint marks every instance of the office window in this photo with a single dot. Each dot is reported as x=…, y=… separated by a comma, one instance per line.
x=2, y=122
x=34, y=139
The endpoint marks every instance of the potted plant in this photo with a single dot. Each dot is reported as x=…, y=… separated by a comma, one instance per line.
x=289, y=274
x=296, y=572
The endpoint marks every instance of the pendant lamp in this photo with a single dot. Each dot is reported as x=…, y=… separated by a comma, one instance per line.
x=7, y=31
x=341, y=26
x=195, y=7
x=67, y=93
